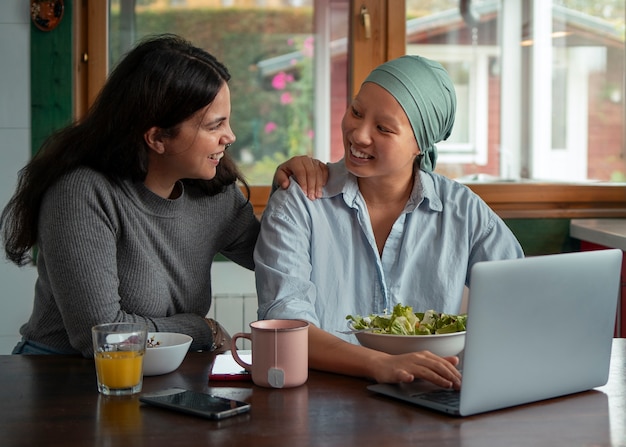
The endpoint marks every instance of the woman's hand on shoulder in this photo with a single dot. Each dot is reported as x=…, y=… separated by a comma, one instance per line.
x=424, y=365
x=310, y=173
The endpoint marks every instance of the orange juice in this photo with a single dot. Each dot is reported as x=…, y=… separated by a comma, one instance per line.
x=119, y=369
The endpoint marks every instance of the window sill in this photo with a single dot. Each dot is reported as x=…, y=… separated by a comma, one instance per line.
x=553, y=200
x=529, y=200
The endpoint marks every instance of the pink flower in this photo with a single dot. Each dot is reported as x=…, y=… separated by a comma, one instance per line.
x=309, y=44
x=286, y=98
x=310, y=134
x=281, y=80
x=270, y=127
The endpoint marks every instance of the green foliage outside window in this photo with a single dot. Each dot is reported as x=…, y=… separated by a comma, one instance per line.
x=272, y=110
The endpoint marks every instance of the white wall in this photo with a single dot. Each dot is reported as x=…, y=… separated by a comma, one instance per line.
x=16, y=284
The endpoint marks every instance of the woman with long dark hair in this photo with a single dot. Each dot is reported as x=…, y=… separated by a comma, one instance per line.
x=128, y=207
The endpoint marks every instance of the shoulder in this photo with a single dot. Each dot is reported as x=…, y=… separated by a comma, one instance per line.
x=83, y=183
x=293, y=204
x=337, y=176
x=455, y=202
x=230, y=204
x=82, y=176
x=445, y=184
x=283, y=200
x=86, y=194
x=233, y=193
x=87, y=184
x=449, y=191
x=82, y=198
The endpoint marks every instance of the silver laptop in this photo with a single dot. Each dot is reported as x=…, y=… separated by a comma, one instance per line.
x=537, y=328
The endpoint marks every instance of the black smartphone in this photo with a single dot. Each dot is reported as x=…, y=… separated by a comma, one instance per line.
x=198, y=404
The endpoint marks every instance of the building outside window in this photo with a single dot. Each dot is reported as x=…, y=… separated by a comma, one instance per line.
x=539, y=84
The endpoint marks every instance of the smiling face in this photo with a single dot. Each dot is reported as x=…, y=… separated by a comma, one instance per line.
x=377, y=136
x=194, y=150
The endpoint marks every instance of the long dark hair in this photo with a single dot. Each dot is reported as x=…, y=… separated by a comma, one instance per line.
x=161, y=82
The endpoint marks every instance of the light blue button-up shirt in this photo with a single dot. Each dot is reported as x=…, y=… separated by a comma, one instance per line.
x=318, y=260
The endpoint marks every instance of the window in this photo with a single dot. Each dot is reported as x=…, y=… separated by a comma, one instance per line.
x=524, y=124
x=287, y=59
x=539, y=86
x=268, y=48
x=469, y=139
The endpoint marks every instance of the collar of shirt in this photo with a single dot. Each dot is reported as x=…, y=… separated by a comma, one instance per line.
x=340, y=181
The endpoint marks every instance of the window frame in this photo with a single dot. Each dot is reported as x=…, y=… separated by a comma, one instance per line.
x=475, y=149
x=508, y=199
x=387, y=41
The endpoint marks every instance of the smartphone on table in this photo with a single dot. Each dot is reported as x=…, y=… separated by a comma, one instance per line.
x=192, y=402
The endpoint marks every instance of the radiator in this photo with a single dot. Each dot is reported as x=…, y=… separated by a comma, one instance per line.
x=235, y=312
x=234, y=302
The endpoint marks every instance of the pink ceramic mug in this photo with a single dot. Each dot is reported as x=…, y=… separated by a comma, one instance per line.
x=280, y=352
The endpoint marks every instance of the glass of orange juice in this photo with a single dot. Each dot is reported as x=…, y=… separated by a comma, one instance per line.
x=118, y=352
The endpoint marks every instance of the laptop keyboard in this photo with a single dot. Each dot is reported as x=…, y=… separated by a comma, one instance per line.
x=444, y=397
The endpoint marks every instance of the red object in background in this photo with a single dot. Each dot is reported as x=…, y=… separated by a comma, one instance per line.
x=46, y=15
x=620, y=324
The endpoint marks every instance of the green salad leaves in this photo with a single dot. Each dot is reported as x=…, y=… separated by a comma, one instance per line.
x=403, y=321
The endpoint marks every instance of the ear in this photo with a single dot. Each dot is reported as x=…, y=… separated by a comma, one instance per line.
x=154, y=139
x=418, y=150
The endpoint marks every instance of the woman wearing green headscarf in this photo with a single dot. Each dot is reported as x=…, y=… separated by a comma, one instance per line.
x=387, y=230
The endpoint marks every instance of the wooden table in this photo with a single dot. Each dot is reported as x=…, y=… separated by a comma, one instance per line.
x=52, y=400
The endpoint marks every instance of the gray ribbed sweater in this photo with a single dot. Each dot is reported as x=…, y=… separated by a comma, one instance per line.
x=110, y=252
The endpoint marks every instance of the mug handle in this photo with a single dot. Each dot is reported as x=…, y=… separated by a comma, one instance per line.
x=233, y=349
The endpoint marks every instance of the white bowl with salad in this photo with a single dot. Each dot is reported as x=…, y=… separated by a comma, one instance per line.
x=405, y=331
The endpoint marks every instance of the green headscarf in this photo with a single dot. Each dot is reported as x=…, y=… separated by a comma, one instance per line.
x=426, y=93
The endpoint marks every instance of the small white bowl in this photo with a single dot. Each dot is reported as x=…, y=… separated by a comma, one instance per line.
x=441, y=344
x=165, y=352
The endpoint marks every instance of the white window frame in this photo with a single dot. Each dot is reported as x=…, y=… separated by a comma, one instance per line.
x=567, y=163
x=476, y=149
x=322, y=55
